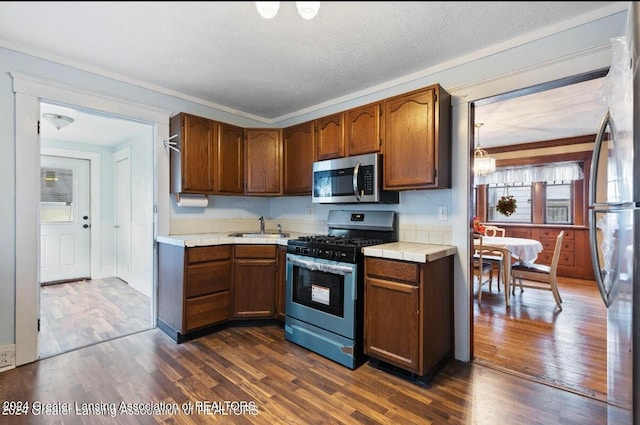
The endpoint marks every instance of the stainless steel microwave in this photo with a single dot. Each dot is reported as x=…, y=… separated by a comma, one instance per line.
x=351, y=180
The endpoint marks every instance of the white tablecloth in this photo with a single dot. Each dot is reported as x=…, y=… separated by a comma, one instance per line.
x=525, y=250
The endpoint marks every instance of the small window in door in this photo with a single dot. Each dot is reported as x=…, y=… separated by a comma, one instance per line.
x=56, y=195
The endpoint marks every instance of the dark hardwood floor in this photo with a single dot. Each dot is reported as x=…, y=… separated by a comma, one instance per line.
x=532, y=365
x=77, y=314
x=279, y=383
x=533, y=338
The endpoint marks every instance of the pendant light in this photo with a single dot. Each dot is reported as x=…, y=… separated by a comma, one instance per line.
x=483, y=164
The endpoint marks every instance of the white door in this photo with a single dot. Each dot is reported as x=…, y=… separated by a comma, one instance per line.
x=123, y=217
x=65, y=219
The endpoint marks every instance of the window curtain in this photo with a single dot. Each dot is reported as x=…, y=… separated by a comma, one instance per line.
x=528, y=174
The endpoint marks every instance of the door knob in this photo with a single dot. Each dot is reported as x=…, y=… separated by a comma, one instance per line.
x=85, y=225
x=85, y=217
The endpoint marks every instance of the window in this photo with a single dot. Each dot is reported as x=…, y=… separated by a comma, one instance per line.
x=555, y=201
x=56, y=195
x=549, y=189
x=522, y=195
x=558, y=202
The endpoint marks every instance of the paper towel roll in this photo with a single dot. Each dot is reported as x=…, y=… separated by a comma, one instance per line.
x=192, y=201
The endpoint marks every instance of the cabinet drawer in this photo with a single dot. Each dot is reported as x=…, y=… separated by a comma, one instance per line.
x=553, y=234
x=566, y=259
x=207, y=278
x=255, y=251
x=568, y=245
x=208, y=253
x=395, y=270
x=207, y=310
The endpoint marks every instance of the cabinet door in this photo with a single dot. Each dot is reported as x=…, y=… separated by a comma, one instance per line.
x=392, y=317
x=263, y=156
x=193, y=167
x=254, y=288
x=298, y=159
x=416, y=142
x=229, y=159
x=363, y=129
x=281, y=284
x=330, y=137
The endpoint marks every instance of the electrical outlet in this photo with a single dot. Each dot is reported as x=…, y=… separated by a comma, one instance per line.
x=7, y=356
x=309, y=211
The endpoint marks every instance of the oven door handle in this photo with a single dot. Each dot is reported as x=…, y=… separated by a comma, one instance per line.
x=323, y=267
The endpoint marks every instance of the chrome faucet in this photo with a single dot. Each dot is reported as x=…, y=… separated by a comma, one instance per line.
x=261, y=220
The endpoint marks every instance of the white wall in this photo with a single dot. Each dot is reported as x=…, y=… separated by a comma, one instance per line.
x=141, y=262
x=515, y=65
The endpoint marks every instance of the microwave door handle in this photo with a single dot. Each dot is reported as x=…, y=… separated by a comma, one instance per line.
x=356, y=171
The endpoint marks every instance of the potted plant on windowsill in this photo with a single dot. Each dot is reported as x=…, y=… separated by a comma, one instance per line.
x=506, y=205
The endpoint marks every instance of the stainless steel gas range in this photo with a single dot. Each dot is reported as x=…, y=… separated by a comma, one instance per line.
x=325, y=284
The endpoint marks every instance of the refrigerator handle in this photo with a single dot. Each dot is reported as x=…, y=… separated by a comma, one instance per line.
x=593, y=240
x=593, y=178
x=595, y=259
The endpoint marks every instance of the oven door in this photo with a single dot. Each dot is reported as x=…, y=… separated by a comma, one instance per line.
x=322, y=293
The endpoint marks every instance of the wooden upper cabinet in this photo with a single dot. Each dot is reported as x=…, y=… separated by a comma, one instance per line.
x=229, y=159
x=330, y=137
x=298, y=153
x=192, y=169
x=263, y=158
x=417, y=140
x=363, y=129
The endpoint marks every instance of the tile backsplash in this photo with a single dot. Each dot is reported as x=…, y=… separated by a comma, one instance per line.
x=408, y=232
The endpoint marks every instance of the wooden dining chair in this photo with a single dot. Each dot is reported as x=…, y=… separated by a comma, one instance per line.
x=539, y=276
x=490, y=230
x=496, y=258
x=481, y=269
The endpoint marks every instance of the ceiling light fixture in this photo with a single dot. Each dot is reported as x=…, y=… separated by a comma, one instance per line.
x=58, y=121
x=306, y=9
x=267, y=9
x=483, y=164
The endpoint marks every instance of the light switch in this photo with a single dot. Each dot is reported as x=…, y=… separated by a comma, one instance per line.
x=442, y=213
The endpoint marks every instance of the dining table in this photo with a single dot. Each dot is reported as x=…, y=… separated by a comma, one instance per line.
x=520, y=249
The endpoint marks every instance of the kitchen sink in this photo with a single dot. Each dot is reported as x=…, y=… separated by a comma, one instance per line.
x=267, y=234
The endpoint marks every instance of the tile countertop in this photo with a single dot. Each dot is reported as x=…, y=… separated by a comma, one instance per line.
x=407, y=251
x=206, y=239
x=410, y=251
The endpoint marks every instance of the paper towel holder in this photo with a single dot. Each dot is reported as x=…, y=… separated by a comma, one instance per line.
x=192, y=200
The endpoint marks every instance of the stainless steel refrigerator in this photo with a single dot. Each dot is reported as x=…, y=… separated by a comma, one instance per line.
x=614, y=223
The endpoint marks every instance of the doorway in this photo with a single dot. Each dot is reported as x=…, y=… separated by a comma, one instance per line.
x=92, y=288
x=64, y=219
x=29, y=91
x=532, y=338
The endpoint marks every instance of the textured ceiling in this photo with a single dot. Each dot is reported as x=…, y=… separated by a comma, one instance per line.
x=224, y=55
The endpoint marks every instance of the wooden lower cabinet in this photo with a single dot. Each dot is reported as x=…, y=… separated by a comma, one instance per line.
x=575, y=255
x=409, y=313
x=194, y=287
x=281, y=283
x=254, y=281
